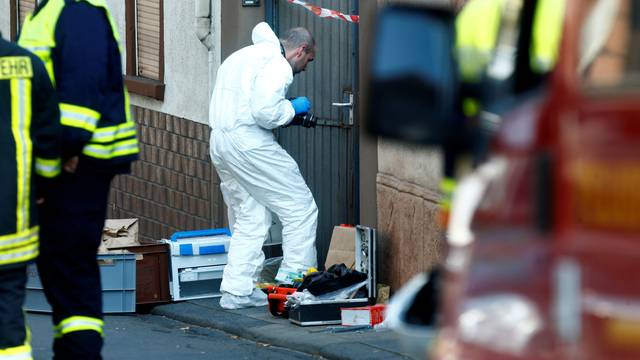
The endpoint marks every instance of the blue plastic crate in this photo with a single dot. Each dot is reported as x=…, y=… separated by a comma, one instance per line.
x=118, y=278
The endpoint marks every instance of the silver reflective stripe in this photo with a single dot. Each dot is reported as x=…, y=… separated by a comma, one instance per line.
x=101, y=134
x=12, y=241
x=24, y=165
x=81, y=117
x=78, y=324
x=5, y=258
x=22, y=356
x=107, y=151
x=38, y=48
x=47, y=169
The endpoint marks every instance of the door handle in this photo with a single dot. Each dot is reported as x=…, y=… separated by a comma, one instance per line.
x=342, y=104
x=347, y=105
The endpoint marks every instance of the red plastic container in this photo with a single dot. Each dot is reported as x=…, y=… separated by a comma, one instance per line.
x=277, y=297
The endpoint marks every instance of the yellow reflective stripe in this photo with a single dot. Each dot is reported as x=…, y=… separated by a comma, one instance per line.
x=470, y=107
x=127, y=105
x=79, y=117
x=447, y=186
x=19, y=239
x=121, y=148
x=19, y=255
x=48, y=168
x=547, y=31
x=476, y=39
x=22, y=352
x=20, y=126
x=78, y=323
x=112, y=133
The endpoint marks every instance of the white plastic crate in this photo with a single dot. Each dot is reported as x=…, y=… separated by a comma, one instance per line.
x=197, y=259
x=118, y=278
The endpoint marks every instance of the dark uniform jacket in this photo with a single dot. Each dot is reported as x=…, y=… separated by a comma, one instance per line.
x=29, y=150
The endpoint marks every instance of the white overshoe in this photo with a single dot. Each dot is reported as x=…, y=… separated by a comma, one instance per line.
x=230, y=301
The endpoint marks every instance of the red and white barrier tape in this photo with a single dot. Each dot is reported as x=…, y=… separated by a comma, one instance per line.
x=324, y=13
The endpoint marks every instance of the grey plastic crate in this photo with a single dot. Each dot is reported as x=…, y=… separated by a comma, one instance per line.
x=118, y=277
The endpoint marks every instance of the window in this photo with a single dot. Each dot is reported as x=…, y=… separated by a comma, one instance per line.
x=145, y=47
x=19, y=10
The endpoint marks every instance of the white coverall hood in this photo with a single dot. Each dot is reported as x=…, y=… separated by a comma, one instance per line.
x=257, y=176
x=263, y=33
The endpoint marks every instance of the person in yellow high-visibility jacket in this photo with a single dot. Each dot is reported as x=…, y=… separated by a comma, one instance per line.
x=478, y=27
x=79, y=44
x=29, y=163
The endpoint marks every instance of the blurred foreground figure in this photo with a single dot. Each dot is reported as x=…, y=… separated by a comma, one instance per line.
x=79, y=45
x=29, y=145
x=257, y=175
x=484, y=50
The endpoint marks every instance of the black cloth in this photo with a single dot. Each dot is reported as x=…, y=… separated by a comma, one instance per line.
x=335, y=278
x=12, y=291
x=71, y=227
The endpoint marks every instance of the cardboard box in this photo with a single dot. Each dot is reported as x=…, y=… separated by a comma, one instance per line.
x=342, y=247
x=366, y=315
x=118, y=233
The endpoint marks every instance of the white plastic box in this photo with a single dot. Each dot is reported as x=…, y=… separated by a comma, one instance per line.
x=197, y=263
x=118, y=277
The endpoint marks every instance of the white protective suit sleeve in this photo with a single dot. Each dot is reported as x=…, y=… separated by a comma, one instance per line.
x=269, y=107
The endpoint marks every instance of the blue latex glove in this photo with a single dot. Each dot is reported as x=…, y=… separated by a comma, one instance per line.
x=301, y=105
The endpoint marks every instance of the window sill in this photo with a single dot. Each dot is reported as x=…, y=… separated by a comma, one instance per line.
x=145, y=87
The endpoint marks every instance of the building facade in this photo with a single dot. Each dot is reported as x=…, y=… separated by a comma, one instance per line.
x=172, y=50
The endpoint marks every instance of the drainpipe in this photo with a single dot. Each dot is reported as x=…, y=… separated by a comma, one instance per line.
x=204, y=31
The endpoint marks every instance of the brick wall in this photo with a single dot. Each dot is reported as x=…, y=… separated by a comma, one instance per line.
x=173, y=186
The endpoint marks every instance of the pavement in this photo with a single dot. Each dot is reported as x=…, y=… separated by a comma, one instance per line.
x=259, y=325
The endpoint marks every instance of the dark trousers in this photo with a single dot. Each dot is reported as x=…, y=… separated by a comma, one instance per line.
x=71, y=222
x=12, y=327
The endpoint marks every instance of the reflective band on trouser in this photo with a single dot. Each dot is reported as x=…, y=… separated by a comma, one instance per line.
x=113, y=133
x=105, y=152
x=48, y=168
x=79, y=117
x=22, y=352
x=20, y=125
x=78, y=323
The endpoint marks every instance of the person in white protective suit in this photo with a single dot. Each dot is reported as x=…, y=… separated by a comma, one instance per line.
x=257, y=176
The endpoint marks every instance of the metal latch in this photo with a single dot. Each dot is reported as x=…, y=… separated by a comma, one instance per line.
x=349, y=105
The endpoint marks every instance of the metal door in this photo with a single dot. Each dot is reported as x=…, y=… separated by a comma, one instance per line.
x=326, y=153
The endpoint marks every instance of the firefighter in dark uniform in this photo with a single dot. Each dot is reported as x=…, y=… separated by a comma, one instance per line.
x=29, y=160
x=79, y=45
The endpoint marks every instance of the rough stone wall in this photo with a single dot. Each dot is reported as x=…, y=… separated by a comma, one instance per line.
x=410, y=239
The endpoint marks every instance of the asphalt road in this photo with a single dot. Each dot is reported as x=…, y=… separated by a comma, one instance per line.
x=129, y=337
